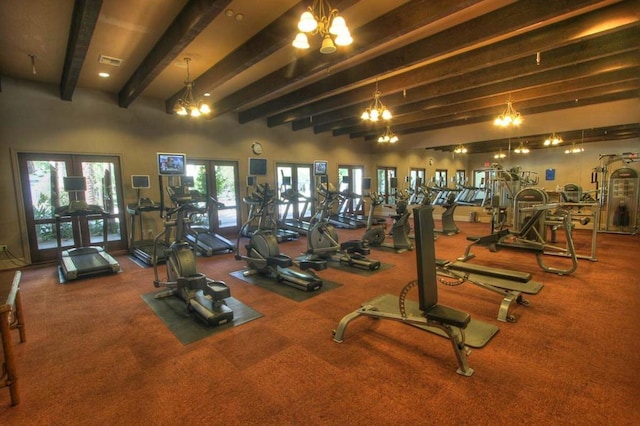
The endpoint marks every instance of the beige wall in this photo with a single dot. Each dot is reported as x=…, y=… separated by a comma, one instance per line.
x=34, y=119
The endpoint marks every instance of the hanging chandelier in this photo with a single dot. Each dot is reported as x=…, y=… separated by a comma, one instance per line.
x=460, y=149
x=388, y=136
x=500, y=155
x=320, y=18
x=553, y=140
x=377, y=109
x=521, y=149
x=574, y=149
x=186, y=106
x=510, y=117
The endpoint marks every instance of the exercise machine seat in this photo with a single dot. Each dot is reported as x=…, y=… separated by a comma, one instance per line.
x=449, y=316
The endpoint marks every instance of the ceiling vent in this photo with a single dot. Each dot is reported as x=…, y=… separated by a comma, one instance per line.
x=109, y=60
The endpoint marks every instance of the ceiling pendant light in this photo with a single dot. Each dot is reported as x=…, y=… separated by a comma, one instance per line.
x=460, y=149
x=500, y=155
x=186, y=106
x=574, y=149
x=510, y=117
x=521, y=149
x=320, y=18
x=376, y=110
x=388, y=136
x=553, y=140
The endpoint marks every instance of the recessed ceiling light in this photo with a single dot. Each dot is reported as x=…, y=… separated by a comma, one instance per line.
x=104, y=74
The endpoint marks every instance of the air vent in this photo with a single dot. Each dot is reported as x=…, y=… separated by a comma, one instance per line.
x=109, y=60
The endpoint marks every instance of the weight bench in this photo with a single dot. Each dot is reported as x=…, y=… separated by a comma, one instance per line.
x=522, y=240
x=510, y=284
x=427, y=314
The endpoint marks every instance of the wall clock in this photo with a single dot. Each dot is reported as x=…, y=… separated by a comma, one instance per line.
x=256, y=147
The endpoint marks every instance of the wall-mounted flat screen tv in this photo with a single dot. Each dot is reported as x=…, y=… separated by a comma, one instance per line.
x=320, y=168
x=74, y=183
x=257, y=166
x=170, y=164
x=140, y=181
x=366, y=183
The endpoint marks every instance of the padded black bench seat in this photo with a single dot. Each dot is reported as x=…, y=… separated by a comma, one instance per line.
x=528, y=247
x=506, y=274
x=449, y=316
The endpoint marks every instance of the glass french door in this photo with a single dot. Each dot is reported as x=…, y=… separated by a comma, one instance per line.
x=42, y=191
x=350, y=179
x=218, y=179
x=299, y=178
x=387, y=183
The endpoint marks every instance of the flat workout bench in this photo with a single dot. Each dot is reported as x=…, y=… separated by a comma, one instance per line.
x=427, y=314
x=522, y=241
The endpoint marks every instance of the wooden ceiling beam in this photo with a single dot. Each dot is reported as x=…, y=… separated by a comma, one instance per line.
x=194, y=17
x=517, y=16
x=590, y=96
x=521, y=46
x=398, y=22
x=567, y=62
x=83, y=23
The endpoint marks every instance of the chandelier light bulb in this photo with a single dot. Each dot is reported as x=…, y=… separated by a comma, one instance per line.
x=301, y=41
x=307, y=22
x=327, y=45
x=338, y=26
x=344, y=38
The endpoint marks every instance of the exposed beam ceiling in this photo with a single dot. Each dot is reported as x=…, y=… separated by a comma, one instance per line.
x=438, y=63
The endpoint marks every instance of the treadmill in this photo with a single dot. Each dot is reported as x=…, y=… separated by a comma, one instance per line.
x=204, y=238
x=297, y=224
x=142, y=248
x=79, y=262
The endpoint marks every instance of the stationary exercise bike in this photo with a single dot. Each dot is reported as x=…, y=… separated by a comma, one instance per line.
x=263, y=254
x=322, y=239
x=375, y=234
x=204, y=296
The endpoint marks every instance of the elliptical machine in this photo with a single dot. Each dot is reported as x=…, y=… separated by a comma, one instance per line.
x=204, y=296
x=375, y=234
x=322, y=239
x=263, y=254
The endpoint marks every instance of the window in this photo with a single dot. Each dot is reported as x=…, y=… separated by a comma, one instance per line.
x=440, y=178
